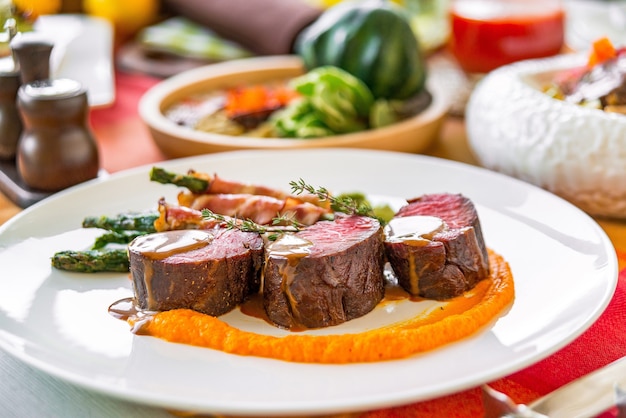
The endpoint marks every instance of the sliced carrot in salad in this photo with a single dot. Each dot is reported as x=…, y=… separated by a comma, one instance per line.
x=250, y=99
x=601, y=50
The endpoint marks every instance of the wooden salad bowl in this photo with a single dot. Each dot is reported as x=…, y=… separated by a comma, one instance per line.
x=412, y=135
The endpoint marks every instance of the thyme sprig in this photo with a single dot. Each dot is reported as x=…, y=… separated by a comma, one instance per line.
x=351, y=204
x=281, y=224
x=344, y=203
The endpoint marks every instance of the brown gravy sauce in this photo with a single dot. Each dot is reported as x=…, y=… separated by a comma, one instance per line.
x=253, y=306
x=161, y=245
x=292, y=248
x=459, y=318
x=127, y=310
x=414, y=230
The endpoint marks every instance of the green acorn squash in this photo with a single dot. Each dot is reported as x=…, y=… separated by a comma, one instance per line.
x=371, y=40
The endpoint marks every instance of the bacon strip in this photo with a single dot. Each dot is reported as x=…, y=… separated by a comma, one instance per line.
x=259, y=209
x=172, y=217
x=218, y=185
x=239, y=201
x=304, y=212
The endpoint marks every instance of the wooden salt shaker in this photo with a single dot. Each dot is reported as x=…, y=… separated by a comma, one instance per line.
x=56, y=149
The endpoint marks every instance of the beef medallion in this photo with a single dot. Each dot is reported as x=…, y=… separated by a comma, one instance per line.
x=435, y=246
x=327, y=274
x=209, y=271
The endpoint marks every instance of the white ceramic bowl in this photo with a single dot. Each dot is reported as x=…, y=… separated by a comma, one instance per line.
x=411, y=135
x=575, y=152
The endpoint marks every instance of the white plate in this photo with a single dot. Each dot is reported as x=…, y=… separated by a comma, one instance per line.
x=83, y=51
x=565, y=271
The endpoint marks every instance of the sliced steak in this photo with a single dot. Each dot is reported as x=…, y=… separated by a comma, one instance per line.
x=435, y=246
x=209, y=271
x=326, y=274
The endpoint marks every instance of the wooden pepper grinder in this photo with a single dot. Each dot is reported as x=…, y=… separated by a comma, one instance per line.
x=10, y=122
x=56, y=149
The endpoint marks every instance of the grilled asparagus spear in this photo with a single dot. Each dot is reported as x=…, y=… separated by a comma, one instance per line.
x=129, y=221
x=194, y=184
x=116, y=237
x=122, y=228
x=92, y=261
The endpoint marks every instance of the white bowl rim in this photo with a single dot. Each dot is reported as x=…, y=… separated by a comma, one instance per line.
x=589, y=167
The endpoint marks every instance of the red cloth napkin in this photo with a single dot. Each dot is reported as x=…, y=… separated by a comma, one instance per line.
x=125, y=142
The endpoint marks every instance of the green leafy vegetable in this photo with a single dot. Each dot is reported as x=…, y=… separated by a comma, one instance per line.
x=299, y=120
x=383, y=213
x=384, y=113
x=333, y=102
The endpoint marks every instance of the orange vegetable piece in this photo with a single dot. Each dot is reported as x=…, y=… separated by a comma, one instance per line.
x=250, y=99
x=602, y=50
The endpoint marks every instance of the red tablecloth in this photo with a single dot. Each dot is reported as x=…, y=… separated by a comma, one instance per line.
x=123, y=139
x=125, y=142
x=602, y=343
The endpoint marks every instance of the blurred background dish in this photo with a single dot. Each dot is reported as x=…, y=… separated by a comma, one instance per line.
x=486, y=34
x=572, y=150
x=410, y=135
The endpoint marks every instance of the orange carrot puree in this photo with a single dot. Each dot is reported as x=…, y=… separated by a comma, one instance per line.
x=459, y=318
